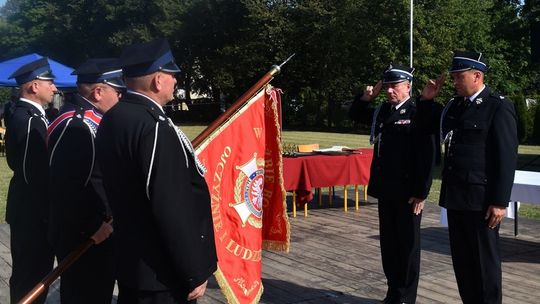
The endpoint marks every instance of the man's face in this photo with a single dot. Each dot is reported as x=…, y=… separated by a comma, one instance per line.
x=168, y=85
x=44, y=90
x=467, y=83
x=397, y=92
x=106, y=96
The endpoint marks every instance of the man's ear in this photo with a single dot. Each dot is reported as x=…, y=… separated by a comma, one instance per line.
x=157, y=81
x=478, y=75
x=97, y=92
x=34, y=87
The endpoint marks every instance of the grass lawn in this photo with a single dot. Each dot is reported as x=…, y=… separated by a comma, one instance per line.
x=5, y=177
x=529, y=159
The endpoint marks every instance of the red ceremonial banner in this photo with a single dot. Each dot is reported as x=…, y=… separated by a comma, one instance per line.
x=276, y=232
x=245, y=179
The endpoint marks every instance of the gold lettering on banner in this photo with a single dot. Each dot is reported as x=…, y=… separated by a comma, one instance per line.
x=221, y=165
x=242, y=284
x=243, y=252
x=267, y=195
x=258, y=132
x=216, y=216
x=215, y=194
x=222, y=237
x=269, y=177
x=276, y=229
x=268, y=170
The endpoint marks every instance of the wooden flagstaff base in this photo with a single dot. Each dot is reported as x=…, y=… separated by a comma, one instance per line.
x=335, y=258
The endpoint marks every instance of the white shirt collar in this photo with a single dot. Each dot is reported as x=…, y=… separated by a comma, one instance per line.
x=35, y=104
x=473, y=97
x=141, y=94
x=401, y=103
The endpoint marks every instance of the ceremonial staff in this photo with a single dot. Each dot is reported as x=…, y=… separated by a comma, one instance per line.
x=53, y=275
x=77, y=253
x=60, y=268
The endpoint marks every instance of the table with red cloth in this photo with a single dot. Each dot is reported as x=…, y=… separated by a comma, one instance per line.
x=303, y=173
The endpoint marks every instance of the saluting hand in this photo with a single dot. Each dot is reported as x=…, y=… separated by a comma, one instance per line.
x=103, y=232
x=197, y=292
x=418, y=204
x=494, y=215
x=433, y=87
x=371, y=92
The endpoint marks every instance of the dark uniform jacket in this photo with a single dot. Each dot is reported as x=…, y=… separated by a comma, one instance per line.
x=7, y=111
x=480, y=152
x=26, y=153
x=160, y=203
x=405, y=147
x=78, y=202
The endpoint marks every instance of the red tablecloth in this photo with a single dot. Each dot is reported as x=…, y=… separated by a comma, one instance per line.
x=315, y=171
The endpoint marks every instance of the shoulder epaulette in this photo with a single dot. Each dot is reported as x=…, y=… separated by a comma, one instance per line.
x=33, y=112
x=157, y=115
x=496, y=96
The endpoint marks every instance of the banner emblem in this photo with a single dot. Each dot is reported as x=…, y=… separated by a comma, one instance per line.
x=248, y=192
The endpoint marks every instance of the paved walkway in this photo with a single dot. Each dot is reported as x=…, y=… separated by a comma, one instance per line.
x=335, y=258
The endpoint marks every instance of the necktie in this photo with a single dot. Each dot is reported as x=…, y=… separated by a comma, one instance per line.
x=463, y=104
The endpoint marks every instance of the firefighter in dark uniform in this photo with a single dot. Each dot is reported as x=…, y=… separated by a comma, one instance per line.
x=27, y=207
x=480, y=140
x=79, y=208
x=404, y=132
x=154, y=182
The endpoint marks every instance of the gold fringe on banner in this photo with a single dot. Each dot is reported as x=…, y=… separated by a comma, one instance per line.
x=227, y=291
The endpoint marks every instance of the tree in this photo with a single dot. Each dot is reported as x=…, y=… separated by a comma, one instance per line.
x=224, y=46
x=322, y=73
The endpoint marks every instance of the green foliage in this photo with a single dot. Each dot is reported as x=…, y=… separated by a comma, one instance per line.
x=524, y=118
x=5, y=94
x=5, y=177
x=224, y=46
x=528, y=118
x=536, y=129
x=14, y=41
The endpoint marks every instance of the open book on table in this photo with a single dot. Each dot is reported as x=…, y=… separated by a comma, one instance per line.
x=335, y=149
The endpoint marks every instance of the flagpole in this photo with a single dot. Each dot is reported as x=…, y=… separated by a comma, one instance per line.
x=71, y=258
x=274, y=70
x=53, y=275
x=411, y=35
